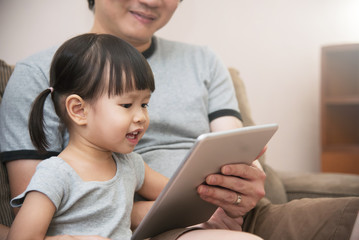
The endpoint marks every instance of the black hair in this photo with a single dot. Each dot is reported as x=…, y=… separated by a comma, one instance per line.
x=88, y=65
x=91, y=4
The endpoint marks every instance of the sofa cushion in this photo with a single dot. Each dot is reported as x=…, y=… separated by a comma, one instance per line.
x=314, y=185
x=275, y=190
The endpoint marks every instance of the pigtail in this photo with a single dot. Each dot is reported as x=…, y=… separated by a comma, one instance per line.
x=36, y=122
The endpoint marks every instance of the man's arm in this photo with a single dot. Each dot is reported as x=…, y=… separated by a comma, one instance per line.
x=20, y=173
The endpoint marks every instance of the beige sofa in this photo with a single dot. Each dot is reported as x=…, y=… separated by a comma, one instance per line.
x=280, y=187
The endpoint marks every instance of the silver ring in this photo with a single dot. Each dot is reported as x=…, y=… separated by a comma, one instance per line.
x=239, y=199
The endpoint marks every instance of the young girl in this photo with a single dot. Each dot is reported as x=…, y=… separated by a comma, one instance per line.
x=100, y=88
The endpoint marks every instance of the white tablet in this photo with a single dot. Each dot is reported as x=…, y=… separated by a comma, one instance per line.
x=179, y=205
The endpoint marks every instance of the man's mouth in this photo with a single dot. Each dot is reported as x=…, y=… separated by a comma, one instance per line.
x=143, y=16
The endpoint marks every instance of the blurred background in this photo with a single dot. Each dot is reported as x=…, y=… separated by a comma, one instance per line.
x=275, y=45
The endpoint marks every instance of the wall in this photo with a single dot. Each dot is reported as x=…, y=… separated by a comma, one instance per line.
x=274, y=44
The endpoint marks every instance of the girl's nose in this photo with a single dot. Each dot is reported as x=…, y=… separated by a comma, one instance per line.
x=140, y=116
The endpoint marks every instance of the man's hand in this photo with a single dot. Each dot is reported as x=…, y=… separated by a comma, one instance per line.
x=241, y=180
x=220, y=220
x=237, y=181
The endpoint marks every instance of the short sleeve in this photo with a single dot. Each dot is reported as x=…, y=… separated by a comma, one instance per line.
x=222, y=100
x=49, y=179
x=140, y=166
x=137, y=164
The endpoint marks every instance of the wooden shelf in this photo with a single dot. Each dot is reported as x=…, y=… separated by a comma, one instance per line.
x=349, y=100
x=340, y=108
x=354, y=148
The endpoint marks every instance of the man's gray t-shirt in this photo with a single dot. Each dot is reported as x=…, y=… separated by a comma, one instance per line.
x=193, y=87
x=88, y=207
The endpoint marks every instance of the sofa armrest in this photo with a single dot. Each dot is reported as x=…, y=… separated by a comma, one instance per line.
x=314, y=185
x=6, y=213
x=274, y=188
x=5, y=72
x=242, y=98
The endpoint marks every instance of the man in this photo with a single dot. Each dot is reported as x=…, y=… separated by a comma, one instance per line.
x=194, y=94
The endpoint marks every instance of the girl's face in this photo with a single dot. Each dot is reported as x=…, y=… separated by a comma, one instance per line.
x=117, y=123
x=133, y=20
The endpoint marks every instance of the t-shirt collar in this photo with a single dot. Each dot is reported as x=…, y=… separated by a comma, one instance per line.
x=149, y=51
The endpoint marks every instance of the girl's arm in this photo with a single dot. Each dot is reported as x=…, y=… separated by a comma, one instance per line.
x=34, y=217
x=153, y=184
x=139, y=210
x=4, y=230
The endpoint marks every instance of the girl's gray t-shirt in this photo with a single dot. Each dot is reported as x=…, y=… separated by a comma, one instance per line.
x=88, y=207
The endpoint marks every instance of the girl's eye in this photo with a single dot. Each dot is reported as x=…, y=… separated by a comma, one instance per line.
x=144, y=105
x=126, y=105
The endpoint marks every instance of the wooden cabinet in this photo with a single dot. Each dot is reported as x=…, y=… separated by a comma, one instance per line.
x=340, y=108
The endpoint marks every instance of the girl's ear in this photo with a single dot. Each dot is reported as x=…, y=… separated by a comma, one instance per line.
x=76, y=109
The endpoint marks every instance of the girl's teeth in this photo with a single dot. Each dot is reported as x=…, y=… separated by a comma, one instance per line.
x=132, y=135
